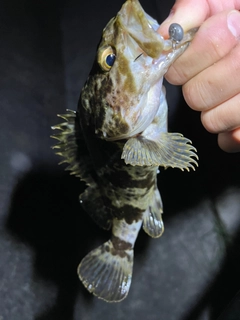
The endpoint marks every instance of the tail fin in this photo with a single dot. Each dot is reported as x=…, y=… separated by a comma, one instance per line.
x=107, y=272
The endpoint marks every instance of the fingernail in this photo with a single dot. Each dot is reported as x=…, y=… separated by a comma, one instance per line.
x=233, y=21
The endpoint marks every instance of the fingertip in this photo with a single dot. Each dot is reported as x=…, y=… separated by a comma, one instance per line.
x=164, y=26
x=233, y=19
x=230, y=141
x=187, y=13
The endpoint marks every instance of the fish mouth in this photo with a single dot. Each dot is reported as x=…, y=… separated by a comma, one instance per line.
x=143, y=57
x=141, y=28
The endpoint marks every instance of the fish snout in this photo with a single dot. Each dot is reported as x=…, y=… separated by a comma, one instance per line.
x=142, y=30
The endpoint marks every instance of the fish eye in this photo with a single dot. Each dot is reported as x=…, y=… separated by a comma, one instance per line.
x=110, y=59
x=107, y=58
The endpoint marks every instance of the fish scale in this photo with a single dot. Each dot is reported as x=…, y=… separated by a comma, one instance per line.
x=118, y=138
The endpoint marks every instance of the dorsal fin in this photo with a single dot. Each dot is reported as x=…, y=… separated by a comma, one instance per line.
x=72, y=147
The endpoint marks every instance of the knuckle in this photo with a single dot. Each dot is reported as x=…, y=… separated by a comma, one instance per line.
x=209, y=122
x=195, y=94
x=175, y=75
x=217, y=36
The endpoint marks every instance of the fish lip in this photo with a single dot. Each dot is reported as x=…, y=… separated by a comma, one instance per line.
x=142, y=29
x=136, y=23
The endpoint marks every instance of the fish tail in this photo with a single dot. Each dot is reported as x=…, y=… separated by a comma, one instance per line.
x=107, y=272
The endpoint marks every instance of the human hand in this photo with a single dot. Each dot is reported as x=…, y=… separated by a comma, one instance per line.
x=210, y=68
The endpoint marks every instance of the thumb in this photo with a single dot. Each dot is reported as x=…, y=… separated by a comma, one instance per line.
x=188, y=13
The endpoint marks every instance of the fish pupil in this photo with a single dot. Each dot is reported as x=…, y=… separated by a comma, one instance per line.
x=110, y=59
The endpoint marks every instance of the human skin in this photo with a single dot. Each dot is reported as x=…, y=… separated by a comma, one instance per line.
x=209, y=71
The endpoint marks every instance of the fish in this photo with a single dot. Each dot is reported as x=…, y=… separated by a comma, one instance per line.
x=117, y=140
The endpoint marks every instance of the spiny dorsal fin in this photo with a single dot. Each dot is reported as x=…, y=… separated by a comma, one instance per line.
x=71, y=146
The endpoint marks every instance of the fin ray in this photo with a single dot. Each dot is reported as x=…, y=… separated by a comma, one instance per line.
x=152, y=218
x=169, y=150
x=71, y=146
x=107, y=274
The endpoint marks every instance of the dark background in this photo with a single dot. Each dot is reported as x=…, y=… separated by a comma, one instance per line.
x=191, y=273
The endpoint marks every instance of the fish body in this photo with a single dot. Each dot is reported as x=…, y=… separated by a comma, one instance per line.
x=122, y=123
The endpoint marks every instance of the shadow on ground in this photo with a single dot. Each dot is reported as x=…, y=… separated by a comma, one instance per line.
x=222, y=297
x=217, y=171
x=46, y=215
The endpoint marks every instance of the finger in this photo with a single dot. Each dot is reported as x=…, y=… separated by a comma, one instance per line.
x=225, y=117
x=230, y=141
x=191, y=13
x=213, y=41
x=188, y=13
x=216, y=84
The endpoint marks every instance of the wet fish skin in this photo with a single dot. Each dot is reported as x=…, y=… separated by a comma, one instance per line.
x=122, y=122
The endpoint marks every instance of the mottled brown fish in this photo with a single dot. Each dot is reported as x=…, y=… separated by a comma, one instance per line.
x=121, y=122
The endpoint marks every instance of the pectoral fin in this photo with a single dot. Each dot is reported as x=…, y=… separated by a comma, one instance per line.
x=169, y=150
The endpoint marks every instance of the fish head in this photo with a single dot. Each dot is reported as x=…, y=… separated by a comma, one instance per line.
x=123, y=90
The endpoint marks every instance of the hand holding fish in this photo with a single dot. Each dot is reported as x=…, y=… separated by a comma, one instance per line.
x=209, y=70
